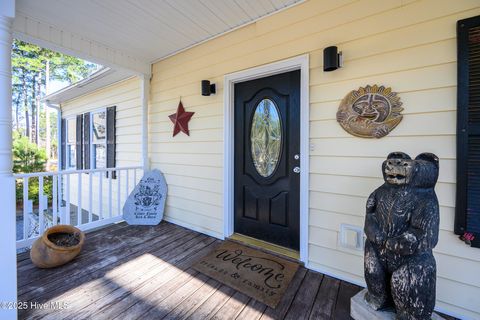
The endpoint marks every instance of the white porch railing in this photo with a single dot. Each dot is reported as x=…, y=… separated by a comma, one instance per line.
x=83, y=198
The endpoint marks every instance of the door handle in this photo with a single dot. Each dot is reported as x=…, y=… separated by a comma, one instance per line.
x=296, y=169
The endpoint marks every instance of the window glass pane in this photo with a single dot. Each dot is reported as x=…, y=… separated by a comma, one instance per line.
x=71, y=132
x=266, y=137
x=98, y=127
x=99, y=156
x=72, y=157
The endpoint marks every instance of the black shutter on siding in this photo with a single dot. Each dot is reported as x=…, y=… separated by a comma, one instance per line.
x=79, y=147
x=86, y=140
x=467, y=215
x=111, y=138
x=63, y=138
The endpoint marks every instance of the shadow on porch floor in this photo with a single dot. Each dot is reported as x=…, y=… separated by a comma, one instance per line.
x=144, y=272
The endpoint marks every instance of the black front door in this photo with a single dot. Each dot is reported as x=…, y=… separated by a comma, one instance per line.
x=267, y=159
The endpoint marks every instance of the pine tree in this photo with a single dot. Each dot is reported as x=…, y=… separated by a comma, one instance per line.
x=29, y=70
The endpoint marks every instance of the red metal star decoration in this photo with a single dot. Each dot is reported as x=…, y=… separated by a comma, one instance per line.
x=180, y=120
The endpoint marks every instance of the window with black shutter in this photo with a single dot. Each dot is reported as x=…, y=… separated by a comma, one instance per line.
x=99, y=139
x=467, y=215
x=89, y=140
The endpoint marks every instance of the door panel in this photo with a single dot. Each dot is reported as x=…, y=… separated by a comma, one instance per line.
x=278, y=206
x=267, y=138
x=250, y=207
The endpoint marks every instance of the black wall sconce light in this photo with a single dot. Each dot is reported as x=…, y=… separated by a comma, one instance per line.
x=332, y=59
x=207, y=88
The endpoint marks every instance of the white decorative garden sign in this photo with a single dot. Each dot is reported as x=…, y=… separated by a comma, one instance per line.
x=146, y=204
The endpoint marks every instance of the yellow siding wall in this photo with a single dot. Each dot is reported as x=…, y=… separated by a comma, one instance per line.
x=407, y=45
x=125, y=96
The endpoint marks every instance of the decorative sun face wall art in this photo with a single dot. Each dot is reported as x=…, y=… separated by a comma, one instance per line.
x=370, y=112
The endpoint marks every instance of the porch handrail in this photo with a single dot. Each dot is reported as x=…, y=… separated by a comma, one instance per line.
x=50, y=173
x=93, y=196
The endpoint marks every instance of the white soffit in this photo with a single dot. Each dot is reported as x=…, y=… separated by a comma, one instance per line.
x=100, y=79
x=132, y=34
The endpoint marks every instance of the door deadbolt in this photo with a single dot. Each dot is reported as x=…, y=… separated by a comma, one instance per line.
x=296, y=157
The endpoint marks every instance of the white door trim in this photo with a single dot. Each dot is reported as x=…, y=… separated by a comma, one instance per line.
x=297, y=63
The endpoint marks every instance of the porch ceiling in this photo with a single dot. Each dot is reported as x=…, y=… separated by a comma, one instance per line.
x=133, y=33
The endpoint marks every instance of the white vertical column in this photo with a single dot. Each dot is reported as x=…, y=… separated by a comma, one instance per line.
x=144, y=92
x=8, y=265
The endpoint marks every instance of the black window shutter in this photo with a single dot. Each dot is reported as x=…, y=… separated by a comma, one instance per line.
x=86, y=140
x=63, y=138
x=79, y=129
x=467, y=215
x=111, y=139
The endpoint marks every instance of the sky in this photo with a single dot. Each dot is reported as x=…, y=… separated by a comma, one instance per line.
x=56, y=85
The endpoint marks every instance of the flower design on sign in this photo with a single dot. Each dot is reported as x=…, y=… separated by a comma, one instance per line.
x=370, y=112
x=148, y=196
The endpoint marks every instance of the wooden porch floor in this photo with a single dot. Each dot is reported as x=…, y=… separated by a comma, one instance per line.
x=144, y=272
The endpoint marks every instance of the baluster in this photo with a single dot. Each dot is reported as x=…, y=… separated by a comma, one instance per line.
x=100, y=195
x=41, y=207
x=54, y=199
x=90, y=195
x=79, y=202
x=134, y=177
x=60, y=198
x=67, y=200
x=126, y=184
x=110, y=194
x=119, y=192
x=26, y=220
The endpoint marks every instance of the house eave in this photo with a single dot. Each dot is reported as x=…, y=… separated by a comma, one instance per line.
x=100, y=79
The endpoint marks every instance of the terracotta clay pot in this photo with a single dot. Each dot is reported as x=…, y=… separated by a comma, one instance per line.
x=46, y=254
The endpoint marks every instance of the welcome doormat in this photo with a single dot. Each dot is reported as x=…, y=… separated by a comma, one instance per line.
x=260, y=275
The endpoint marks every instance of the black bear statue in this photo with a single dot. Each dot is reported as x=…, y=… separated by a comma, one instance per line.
x=401, y=227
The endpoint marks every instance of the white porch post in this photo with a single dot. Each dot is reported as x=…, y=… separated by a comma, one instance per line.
x=8, y=264
x=144, y=92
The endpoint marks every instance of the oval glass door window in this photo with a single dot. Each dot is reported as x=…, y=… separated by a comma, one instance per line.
x=266, y=137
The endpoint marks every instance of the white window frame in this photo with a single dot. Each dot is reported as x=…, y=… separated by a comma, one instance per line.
x=92, y=145
x=67, y=153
